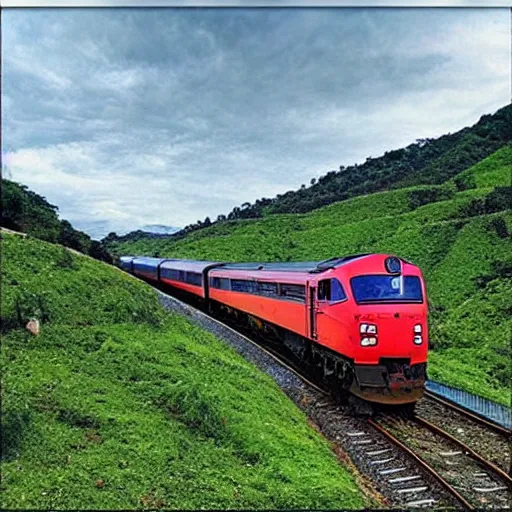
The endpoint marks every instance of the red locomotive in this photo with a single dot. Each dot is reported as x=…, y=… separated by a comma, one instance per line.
x=361, y=320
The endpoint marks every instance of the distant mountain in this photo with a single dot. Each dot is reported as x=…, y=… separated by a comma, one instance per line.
x=159, y=229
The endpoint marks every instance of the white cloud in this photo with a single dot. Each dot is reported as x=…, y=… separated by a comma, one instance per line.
x=127, y=118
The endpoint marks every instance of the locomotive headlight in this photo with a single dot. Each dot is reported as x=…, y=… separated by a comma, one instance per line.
x=418, y=329
x=393, y=265
x=368, y=329
x=418, y=340
x=369, y=342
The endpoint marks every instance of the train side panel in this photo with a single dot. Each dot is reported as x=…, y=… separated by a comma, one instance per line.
x=187, y=287
x=146, y=267
x=287, y=314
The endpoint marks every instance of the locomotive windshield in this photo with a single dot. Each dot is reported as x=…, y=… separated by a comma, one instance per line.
x=383, y=288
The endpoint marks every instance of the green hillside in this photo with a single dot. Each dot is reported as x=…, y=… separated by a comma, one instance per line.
x=25, y=211
x=457, y=232
x=118, y=405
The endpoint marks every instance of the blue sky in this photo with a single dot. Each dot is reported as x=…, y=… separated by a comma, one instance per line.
x=126, y=118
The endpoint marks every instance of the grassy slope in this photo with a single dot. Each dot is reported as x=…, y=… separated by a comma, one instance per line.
x=470, y=319
x=496, y=170
x=117, y=404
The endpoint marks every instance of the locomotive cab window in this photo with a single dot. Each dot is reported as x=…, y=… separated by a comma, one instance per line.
x=385, y=288
x=331, y=290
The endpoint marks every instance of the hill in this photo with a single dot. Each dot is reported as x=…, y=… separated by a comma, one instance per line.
x=25, y=211
x=426, y=162
x=118, y=405
x=458, y=232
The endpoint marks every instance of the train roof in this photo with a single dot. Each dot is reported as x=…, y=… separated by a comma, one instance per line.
x=294, y=266
x=311, y=267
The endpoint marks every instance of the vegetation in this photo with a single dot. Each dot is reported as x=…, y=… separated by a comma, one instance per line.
x=458, y=235
x=28, y=212
x=428, y=161
x=117, y=404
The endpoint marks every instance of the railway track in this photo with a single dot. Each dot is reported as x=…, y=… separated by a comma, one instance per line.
x=413, y=462
x=475, y=482
x=468, y=414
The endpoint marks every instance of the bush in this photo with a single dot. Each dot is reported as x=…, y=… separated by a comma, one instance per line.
x=426, y=195
x=464, y=182
x=65, y=260
x=31, y=305
x=100, y=252
x=498, y=200
x=499, y=225
x=474, y=208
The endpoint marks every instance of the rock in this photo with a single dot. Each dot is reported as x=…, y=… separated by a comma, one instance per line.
x=33, y=326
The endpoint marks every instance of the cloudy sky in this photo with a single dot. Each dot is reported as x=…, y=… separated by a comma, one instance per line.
x=127, y=118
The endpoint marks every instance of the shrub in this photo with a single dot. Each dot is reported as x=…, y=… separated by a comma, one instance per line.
x=425, y=195
x=65, y=260
x=474, y=208
x=498, y=200
x=499, y=225
x=464, y=182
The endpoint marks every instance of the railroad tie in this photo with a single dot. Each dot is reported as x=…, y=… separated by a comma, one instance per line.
x=403, y=479
x=382, y=461
x=449, y=454
x=412, y=489
x=480, y=474
x=420, y=503
x=489, y=489
x=356, y=434
x=378, y=452
x=363, y=441
x=391, y=471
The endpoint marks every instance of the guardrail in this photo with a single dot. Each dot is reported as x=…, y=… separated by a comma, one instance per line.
x=477, y=404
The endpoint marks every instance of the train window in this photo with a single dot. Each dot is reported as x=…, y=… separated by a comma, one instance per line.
x=384, y=288
x=331, y=290
x=220, y=283
x=267, y=289
x=169, y=273
x=293, y=291
x=337, y=292
x=245, y=286
x=324, y=290
x=181, y=275
x=194, y=278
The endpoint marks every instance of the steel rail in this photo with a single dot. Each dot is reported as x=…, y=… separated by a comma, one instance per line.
x=429, y=469
x=470, y=414
x=489, y=465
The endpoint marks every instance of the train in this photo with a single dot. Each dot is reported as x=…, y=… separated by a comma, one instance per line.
x=360, y=320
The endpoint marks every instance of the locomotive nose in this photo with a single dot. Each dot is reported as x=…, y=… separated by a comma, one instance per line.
x=392, y=333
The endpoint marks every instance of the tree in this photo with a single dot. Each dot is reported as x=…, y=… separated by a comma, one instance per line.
x=72, y=238
x=100, y=252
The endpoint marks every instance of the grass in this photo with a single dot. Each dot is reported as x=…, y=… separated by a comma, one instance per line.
x=464, y=260
x=494, y=171
x=119, y=405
